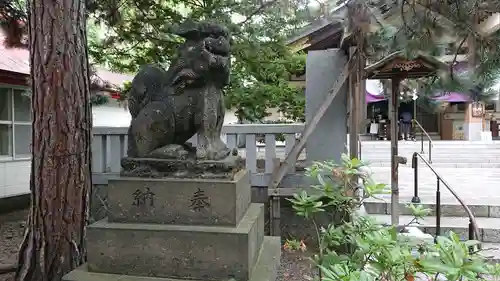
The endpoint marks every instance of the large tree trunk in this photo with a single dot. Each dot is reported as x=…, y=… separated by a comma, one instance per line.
x=62, y=124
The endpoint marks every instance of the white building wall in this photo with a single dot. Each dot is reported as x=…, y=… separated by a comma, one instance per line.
x=115, y=114
x=14, y=178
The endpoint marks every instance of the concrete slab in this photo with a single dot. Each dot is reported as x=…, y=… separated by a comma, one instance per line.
x=476, y=186
x=489, y=228
x=447, y=210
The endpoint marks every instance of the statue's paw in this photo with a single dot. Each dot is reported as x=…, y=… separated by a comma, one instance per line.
x=201, y=153
x=222, y=149
x=212, y=153
x=206, y=154
x=222, y=153
x=170, y=151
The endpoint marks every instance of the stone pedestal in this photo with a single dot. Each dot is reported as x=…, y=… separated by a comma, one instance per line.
x=169, y=229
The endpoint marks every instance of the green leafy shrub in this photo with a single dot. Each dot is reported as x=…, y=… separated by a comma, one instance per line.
x=376, y=251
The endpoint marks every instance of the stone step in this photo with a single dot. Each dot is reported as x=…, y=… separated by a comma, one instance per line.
x=439, y=151
x=452, y=151
x=418, y=148
x=436, y=142
x=491, y=251
x=475, y=186
x=179, y=201
x=265, y=268
x=451, y=154
x=434, y=150
x=447, y=210
x=450, y=159
x=489, y=228
x=177, y=251
x=457, y=164
x=440, y=165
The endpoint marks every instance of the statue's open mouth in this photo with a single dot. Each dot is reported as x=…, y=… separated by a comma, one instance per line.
x=221, y=48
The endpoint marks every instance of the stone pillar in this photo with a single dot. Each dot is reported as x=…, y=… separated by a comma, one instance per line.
x=328, y=140
x=473, y=126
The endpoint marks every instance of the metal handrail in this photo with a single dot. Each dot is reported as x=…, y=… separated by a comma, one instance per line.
x=359, y=147
x=473, y=229
x=422, y=132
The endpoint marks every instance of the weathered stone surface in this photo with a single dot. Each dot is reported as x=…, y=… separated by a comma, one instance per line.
x=447, y=210
x=494, y=212
x=322, y=65
x=265, y=269
x=176, y=251
x=179, y=201
x=169, y=107
x=186, y=168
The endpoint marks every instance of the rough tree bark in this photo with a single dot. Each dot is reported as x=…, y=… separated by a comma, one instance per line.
x=60, y=174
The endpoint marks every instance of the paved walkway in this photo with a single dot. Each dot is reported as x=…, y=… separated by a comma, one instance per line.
x=473, y=185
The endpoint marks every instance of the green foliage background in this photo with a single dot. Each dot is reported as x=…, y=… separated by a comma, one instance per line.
x=436, y=28
x=138, y=32
x=125, y=34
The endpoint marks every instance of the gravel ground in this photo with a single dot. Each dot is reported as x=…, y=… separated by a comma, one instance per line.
x=294, y=266
x=11, y=235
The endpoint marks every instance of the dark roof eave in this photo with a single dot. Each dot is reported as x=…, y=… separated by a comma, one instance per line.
x=337, y=15
x=399, y=54
x=14, y=73
x=410, y=75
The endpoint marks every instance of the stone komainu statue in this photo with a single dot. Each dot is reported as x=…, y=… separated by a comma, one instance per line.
x=169, y=107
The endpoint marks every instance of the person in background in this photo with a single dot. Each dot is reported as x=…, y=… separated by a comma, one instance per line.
x=406, y=118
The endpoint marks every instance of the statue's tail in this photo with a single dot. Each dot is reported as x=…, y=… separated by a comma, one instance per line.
x=136, y=97
x=146, y=85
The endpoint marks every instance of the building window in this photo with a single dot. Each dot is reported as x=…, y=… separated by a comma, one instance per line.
x=15, y=123
x=461, y=106
x=490, y=106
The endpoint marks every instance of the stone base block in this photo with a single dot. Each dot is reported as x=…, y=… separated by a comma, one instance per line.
x=266, y=268
x=179, y=201
x=177, y=251
x=183, y=168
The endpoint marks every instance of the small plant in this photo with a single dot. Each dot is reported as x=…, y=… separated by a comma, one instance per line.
x=293, y=245
x=358, y=248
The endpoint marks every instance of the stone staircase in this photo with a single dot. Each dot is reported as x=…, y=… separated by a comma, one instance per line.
x=453, y=218
x=457, y=154
x=478, y=187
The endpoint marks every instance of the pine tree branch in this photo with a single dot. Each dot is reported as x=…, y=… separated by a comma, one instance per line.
x=259, y=10
x=456, y=55
x=439, y=11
